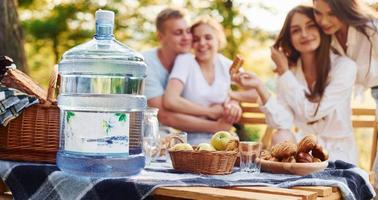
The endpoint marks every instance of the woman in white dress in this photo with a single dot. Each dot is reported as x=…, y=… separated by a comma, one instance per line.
x=314, y=87
x=199, y=84
x=354, y=30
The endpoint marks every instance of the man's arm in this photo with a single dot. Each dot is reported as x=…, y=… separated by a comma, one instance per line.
x=173, y=101
x=185, y=122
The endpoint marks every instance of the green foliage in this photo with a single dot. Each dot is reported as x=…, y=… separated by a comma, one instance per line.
x=249, y=133
x=52, y=28
x=25, y=3
x=253, y=133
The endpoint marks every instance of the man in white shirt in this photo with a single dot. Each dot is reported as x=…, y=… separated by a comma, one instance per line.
x=173, y=33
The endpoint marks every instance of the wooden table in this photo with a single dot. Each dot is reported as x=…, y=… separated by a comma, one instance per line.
x=235, y=193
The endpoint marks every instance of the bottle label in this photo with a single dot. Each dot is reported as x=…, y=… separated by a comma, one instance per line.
x=89, y=132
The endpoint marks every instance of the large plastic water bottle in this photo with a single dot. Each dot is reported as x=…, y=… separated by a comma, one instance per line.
x=101, y=105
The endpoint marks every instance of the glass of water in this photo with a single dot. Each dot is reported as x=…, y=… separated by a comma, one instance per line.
x=249, y=156
x=151, y=135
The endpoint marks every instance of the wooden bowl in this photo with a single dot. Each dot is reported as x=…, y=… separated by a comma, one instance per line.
x=292, y=168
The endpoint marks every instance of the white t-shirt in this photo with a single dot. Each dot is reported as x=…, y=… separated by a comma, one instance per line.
x=196, y=88
x=333, y=119
x=157, y=75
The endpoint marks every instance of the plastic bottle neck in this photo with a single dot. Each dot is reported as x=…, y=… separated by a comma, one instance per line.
x=104, y=31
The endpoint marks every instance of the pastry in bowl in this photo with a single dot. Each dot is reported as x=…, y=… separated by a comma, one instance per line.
x=302, y=159
x=319, y=152
x=307, y=143
x=284, y=150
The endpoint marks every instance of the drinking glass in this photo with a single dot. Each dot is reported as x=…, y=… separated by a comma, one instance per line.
x=249, y=156
x=151, y=135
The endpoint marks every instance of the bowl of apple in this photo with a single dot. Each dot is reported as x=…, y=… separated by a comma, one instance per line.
x=216, y=157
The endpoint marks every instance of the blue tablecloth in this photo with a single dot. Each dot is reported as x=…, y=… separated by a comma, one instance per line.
x=43, y=181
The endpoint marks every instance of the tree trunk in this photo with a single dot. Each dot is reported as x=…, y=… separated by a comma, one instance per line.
x=11, y=36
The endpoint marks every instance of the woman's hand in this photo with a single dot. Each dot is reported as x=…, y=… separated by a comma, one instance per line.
x=247, y=80
x=250, y=82
x=280, y=59
x=232, y=111
x=215, y=111
x=245, y=95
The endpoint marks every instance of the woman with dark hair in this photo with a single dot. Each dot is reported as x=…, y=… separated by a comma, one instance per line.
x=354, y=30
x=314, y=87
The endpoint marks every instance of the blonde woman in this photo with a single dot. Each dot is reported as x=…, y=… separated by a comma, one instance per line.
x=199, y=84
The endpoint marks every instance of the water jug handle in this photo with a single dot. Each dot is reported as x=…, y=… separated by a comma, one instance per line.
x=52, y=86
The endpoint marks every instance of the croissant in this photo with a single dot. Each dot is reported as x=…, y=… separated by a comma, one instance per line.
x=265, y=154
x=274, y=159
x=320, y=152
x=307, y=143
x=284, y=150
x=303, y=157
x=290, y=159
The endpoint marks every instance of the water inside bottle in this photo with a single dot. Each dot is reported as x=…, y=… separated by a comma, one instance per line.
x=101, y=105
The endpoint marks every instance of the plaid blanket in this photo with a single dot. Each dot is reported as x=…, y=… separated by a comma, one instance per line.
x=43, y=181
x=12, y=103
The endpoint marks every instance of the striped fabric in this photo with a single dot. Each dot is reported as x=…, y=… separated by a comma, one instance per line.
x=43, y=181
x=12, y=103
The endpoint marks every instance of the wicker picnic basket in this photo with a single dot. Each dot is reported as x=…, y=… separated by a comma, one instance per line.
x=204, y=162
x=34, y=135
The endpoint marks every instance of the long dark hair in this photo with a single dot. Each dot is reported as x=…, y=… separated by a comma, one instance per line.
x=353, y=13
x=322, y=54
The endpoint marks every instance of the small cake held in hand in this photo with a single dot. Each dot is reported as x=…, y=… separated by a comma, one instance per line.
x=236, y=65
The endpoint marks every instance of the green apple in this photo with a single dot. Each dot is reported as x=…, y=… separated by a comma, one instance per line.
x=181, y=147
x=220, y=140
x=205, y=147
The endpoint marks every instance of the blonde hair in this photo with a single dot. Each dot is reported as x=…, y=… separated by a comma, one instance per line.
x=207, y=20
x=167, y=14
